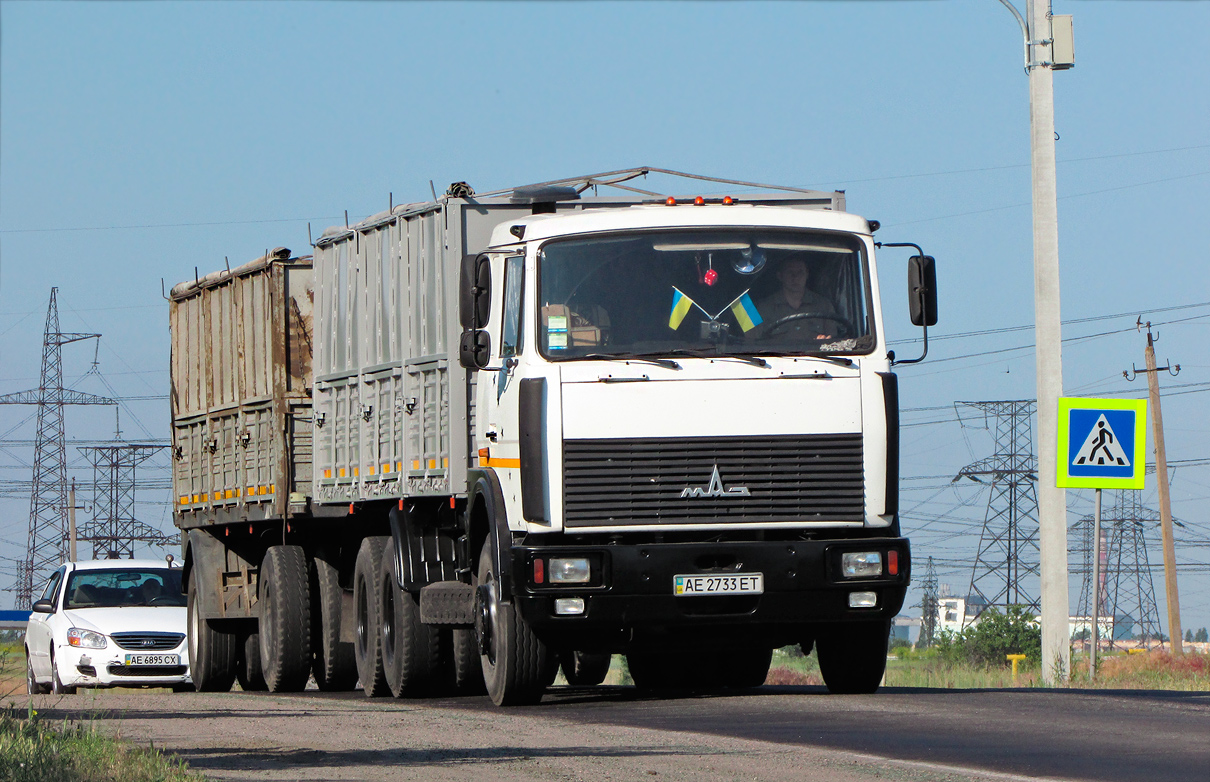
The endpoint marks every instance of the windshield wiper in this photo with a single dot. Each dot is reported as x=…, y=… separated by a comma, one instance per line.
x=667, y=363
x=747, y=359
x=839, y=360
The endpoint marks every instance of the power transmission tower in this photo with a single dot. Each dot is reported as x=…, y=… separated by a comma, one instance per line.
x=1126, y=590
x=928, y=606
x=1008, y=546
x=114, y=529
x=48, y=502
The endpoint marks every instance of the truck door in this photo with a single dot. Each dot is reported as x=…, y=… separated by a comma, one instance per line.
x=499, y=397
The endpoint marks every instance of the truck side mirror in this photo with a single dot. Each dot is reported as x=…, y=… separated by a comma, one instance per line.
x=475, y=299
x=922, y=290
x=475, y=349
x=475, y=291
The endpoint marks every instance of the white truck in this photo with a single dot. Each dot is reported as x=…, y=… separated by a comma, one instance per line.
x=474, y=439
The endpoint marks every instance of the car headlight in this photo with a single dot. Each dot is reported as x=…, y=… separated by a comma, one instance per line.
x=570, y=570
x=85, y=639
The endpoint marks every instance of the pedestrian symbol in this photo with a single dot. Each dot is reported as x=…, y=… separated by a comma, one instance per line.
x=1101, y=448
x=1101, y=443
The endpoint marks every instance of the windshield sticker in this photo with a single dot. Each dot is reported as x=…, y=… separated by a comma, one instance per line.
x=556, y=332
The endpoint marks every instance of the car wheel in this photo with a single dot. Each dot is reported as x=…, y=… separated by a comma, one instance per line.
x=285, y=619
x=333, y=666
x=32, y=687
x=57, y=687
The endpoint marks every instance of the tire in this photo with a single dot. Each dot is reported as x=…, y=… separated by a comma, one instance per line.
x=852, y=657
x=516, y=665
x=584, y=669
x=211, y=651
x=468, y=671
x=285, y=619
x=57, y=687
x=367, y=586
x=332, y=661
x=746, y=668
x=32, y=687
x=248, y=671
x=411, y=650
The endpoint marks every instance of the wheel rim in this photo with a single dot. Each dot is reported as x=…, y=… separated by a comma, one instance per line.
x=388, y=622
x=31, y=682
x=362, y=619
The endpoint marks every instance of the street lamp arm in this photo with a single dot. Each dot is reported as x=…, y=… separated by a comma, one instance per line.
x=1024, y=27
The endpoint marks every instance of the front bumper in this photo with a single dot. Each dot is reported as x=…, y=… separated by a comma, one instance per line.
x=79, y=667
x=631, y=599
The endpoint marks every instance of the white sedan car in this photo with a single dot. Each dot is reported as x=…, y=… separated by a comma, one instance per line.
x=108, y=623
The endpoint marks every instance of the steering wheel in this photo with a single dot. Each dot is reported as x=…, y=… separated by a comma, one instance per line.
x=781, y=323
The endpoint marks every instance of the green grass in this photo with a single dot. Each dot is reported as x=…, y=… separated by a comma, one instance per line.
x=34, y=750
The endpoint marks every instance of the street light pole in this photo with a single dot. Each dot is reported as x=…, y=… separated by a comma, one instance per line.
x=1052, y=507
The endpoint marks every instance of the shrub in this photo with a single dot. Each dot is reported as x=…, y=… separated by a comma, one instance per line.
x=994, y=636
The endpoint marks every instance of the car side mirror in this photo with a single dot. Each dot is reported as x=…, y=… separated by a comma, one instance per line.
x=922, y=290
x=43, y=607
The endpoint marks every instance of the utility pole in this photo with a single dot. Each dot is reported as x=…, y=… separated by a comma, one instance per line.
x=1161, y=483
x=1041, y=59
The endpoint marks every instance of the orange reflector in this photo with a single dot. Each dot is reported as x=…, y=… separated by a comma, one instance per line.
x=249, y=529
x=401, y=503
x=728, y=200
x=350, y=509
x=671, y=201
x=539, y=571
x=451, y=502
x=699, y=201
x=892, y=562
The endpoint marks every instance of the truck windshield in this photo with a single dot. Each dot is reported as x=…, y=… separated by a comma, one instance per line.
x=704, y=292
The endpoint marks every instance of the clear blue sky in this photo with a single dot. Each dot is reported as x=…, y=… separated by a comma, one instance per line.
x=139, y=140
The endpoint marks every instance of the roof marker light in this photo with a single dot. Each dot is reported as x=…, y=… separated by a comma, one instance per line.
x=728, y=200
x=670, y=201
x=699, y=201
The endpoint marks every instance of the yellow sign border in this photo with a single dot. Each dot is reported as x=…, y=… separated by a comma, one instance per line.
x=1066, y=405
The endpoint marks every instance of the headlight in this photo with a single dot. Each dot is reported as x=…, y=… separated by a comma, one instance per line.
x=570, y=570
x=861, y=564
x=85, y=639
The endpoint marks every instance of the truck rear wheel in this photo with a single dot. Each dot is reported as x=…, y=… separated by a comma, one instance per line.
x=411, y=650
x=516, y=665
x=852, y=657
x=746, y=668
x=285, y=619
x=248, y=672
x=468, y=672
x=367, y=586
x=211, y=651
x=333, y=663
x=584, y=669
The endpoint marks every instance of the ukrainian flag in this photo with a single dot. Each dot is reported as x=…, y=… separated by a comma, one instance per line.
x=681, y=304
x=745, y=312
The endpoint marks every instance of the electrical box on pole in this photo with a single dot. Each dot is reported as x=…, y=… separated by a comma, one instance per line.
x=1062, y=43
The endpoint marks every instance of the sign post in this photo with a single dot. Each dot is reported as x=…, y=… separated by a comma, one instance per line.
x=1102, y=445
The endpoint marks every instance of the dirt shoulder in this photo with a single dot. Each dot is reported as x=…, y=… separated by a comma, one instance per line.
x=312, y=736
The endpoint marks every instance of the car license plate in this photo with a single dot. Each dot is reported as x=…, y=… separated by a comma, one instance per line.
x=153, y=659
x=735, y=584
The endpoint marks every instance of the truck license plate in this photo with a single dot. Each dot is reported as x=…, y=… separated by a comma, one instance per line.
x=735, y=584
x=153, y=659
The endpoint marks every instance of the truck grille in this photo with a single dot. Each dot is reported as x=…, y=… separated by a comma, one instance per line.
x=641, y=481
x=148, y=642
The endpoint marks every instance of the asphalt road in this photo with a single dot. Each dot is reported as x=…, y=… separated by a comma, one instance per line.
x=604, y=733
x=1114, y=735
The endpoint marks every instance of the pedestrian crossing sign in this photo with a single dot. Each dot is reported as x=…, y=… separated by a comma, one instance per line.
x=1102, y=443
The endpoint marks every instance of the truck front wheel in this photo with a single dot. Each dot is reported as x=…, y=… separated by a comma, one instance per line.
x=516, y=665
x=585, y=669
x=852, y=657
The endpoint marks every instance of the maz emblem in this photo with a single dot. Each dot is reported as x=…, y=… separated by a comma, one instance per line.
x=715, y=489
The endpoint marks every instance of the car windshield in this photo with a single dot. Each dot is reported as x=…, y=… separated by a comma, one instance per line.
x=118, y=587
x=704, y=292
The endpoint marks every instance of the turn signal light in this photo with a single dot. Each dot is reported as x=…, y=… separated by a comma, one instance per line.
x=892, y=562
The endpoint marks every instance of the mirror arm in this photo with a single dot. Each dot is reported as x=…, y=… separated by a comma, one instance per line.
x=924, y=307
x=897, y=361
